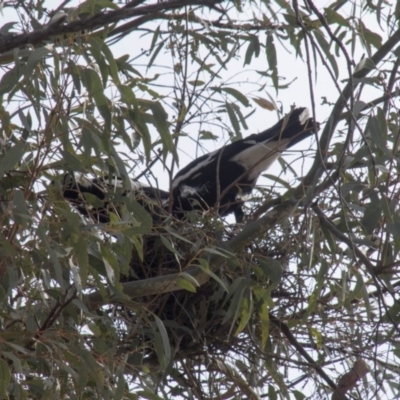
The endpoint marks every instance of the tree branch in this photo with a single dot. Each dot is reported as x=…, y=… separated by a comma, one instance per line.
x=104, y=18
x=293, y=341
x=323, y=220
x=336, y=114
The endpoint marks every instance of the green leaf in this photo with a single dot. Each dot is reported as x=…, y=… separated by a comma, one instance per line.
x=142, y=132
x=110, y=263
x=162, y=345
x=298, y=395
x=237, y=290
x=252, y=49
x=160, y=121
x=205, y=267
x=155, y=53
x=177, y=235
x=235, y=93
x=16, y=362
x=92, y=366
x=112, y=64
x=394, y=229
x=207, y=135
x=197, y=82
x=12, y=156
x=82, y=257
x=218, y=252
x=272, y=61
x=9, y=80
x=245, y=312
x=120, y=388
x=387, y=212
x=318, y=339
x=330, y=239
x=54, y=257
x=276, y=179
x=168, y=244
x=186, y=285
x=92, y=82
x=333, y=17
x=74, y=71
x=233, y=118
x=272, y=270
x=156, y=35
x=34, y=58
x=189, y=278
x=95, y=49
x=372, y=38
x=371, y=217
x=127, y=94
x=377, y=132
x=271, y=53
x=324, y=45
x=264, y=319
x=20, y=210
x=264, y=103
x=5, y=378
x=358, y=290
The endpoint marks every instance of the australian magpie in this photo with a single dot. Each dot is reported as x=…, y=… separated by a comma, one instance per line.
x=93, y=196
x=219, y=179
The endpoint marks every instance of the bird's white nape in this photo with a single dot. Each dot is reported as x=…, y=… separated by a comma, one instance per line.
x=304, y=116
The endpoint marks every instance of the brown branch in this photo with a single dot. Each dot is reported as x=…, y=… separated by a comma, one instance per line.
x=52, y=317
x=373, y=103
x=104, y=18
x=125, y=29
x=360, y=257
x=293, y=341
x=337, y=111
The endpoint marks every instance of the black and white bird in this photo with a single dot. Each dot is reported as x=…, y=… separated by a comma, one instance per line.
x=219, y=179
x=93, y=197
x=216, y=180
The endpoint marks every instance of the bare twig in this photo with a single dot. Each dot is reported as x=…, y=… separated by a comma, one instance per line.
x=293, y=341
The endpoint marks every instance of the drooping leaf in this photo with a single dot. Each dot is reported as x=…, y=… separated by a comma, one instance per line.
x=11, y=157
x=325, y=47
x=264, y=103
x=5, y=378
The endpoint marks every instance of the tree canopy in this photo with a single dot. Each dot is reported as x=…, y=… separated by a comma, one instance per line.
x=301, y=300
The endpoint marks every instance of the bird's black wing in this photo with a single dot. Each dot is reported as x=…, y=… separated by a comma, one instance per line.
x=217, y=178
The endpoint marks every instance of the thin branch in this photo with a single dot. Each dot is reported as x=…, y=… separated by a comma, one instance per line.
x=373, y=271
x=337, y=111
x=343, y=238
x=125, y=29
x=392, y=81
x=293, y=341
x=98, y=20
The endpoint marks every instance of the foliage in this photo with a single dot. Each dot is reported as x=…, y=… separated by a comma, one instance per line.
x=279, y=307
